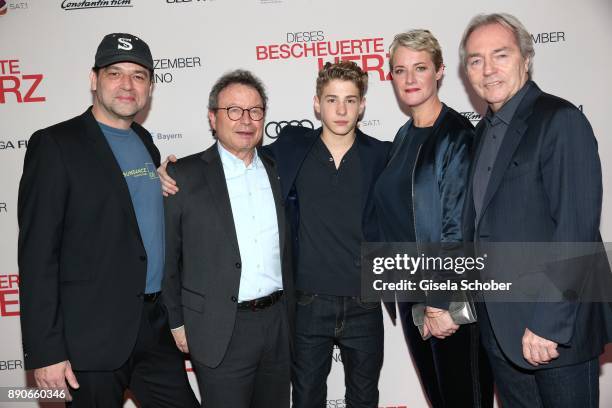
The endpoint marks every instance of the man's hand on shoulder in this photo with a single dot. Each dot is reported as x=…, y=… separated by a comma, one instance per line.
x=169, y=186
x=55, y=376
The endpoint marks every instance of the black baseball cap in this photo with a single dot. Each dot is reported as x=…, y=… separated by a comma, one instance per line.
x=122, y=47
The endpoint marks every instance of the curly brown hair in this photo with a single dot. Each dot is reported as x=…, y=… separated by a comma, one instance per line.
x=345, y=71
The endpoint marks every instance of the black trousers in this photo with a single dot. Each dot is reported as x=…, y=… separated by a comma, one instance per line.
x=255, y=371
x=154, y=372
x=454, y=371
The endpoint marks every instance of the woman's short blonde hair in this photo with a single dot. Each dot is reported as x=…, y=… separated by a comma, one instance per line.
x=418, y=40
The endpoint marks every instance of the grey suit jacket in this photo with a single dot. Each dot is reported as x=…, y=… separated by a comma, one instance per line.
x=203, y=264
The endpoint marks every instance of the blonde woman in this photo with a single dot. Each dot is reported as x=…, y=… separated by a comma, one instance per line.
x=419, y=198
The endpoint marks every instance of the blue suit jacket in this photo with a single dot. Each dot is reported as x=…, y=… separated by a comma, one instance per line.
x=545, y=186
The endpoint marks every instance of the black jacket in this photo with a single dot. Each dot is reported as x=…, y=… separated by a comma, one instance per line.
x=82, y=263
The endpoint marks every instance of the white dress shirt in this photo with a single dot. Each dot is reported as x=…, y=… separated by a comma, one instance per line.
x=254, y=213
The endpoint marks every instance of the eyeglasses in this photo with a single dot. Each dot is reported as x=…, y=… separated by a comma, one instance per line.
x=236, y=112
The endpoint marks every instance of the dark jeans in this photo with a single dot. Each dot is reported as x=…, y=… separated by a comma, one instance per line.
x=154, y=372
x=560, y=387
x=255, y=371
x=454, y=372
x=357, y=328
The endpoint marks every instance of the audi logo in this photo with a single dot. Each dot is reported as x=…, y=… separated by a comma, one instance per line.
x=273, y=129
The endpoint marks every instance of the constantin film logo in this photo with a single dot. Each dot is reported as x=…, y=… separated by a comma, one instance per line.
x=22, y=87
x=68, y=5
x=472, y=116
x=367, y=52
x=187, y=1
x=9, y=295
x=475, y=117
x=273, y=129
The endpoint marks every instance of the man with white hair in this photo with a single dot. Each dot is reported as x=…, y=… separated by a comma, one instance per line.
x=536, y=178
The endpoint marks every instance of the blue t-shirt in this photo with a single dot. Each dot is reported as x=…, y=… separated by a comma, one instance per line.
x=145, y=190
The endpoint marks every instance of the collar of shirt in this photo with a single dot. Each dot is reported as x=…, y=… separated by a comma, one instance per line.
x=321, y=152
x=115, y=131
x=233, y=166
x=507, y=111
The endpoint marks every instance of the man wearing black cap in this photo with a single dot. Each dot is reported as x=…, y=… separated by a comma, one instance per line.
x=91, y=247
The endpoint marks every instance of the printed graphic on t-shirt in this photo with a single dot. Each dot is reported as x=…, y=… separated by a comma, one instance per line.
x=147, y=170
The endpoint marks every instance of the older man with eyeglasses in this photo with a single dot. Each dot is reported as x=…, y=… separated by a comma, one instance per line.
x=228, y=284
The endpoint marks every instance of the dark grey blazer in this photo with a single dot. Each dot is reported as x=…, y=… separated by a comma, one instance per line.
x=545, y=186
x=203, y=264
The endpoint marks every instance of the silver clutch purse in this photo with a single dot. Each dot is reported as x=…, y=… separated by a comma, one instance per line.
x=461, y=309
